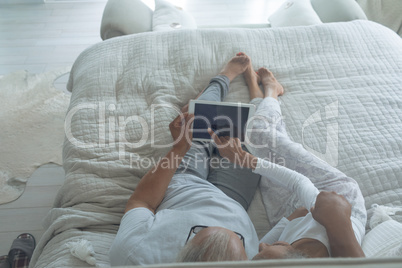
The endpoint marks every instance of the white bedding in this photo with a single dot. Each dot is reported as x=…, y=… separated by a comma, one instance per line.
x=351, y=72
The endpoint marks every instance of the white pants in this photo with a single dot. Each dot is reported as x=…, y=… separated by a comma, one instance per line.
x=269, y=140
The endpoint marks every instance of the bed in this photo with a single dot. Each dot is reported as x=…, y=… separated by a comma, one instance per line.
x=343, y=102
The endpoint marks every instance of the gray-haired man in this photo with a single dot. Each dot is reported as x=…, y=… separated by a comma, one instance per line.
x=176, y=203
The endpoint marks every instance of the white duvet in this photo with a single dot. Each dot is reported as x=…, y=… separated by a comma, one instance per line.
x=343, y=84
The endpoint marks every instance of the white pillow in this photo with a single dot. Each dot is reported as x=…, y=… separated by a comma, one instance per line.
x=122, y=17
x=294, y=13
x=385, y=240
x=338, y=10
x=385, y=12
x=168, y=17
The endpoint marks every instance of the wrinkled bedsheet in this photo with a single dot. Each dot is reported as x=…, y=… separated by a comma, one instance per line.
x=343, y=102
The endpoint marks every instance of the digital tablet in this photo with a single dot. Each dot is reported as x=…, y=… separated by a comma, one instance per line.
x=224, y=118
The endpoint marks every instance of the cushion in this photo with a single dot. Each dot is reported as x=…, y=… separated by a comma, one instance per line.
x=122, y=17
x=385, y=12
x=168, y=17
x=382, y=241
x=338, y=10
x=294, y=13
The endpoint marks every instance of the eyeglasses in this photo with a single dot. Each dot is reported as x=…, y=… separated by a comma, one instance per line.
x=197, y=228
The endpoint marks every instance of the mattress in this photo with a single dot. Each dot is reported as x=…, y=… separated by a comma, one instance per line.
x=343, y=102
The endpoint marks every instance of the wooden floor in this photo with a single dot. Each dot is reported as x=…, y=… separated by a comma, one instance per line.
x=43, y=37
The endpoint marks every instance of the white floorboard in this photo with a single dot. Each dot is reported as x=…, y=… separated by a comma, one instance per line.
x=27, y=212
x=42, y=37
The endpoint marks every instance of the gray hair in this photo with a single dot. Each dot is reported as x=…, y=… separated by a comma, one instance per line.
x=216, y=247
x=295, y=254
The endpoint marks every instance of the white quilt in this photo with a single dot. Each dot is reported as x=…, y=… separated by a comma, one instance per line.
x=343, y=101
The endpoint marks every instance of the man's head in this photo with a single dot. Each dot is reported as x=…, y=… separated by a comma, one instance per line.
x=278, y=250
x=213, y=244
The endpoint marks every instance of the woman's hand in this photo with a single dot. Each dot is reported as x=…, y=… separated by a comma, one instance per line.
x=181, y=133
x=331, y=209
x=231, y=149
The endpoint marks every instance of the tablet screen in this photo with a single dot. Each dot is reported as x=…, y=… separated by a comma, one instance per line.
x=222, y=119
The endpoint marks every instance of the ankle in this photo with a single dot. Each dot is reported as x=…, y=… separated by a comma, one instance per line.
x=252, y=83
x=271, y=93
x=275, y=96
x=230, y=76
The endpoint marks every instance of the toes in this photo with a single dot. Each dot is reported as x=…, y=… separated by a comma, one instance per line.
x=242, y=57
x=247, y=60
x=262, y=71
x=241, y=54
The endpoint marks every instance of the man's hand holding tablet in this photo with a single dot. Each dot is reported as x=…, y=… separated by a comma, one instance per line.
x=231, y=149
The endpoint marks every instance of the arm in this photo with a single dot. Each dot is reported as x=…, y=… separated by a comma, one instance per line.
x=333, y=211
x=289, y=179
x=150, y=191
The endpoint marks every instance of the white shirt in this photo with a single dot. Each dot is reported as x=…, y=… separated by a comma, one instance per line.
x=147, y=238
x=291, y=231
x=303, y=227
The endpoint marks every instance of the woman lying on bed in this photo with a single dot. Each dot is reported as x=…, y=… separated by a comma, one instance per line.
x=333, y=227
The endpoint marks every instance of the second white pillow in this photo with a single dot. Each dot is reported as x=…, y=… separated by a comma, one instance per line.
x=168, y=17
x=294, y=13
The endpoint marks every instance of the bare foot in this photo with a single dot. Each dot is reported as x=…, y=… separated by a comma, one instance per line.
x=252, y=81
x=271, y=86
x=236, y=66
